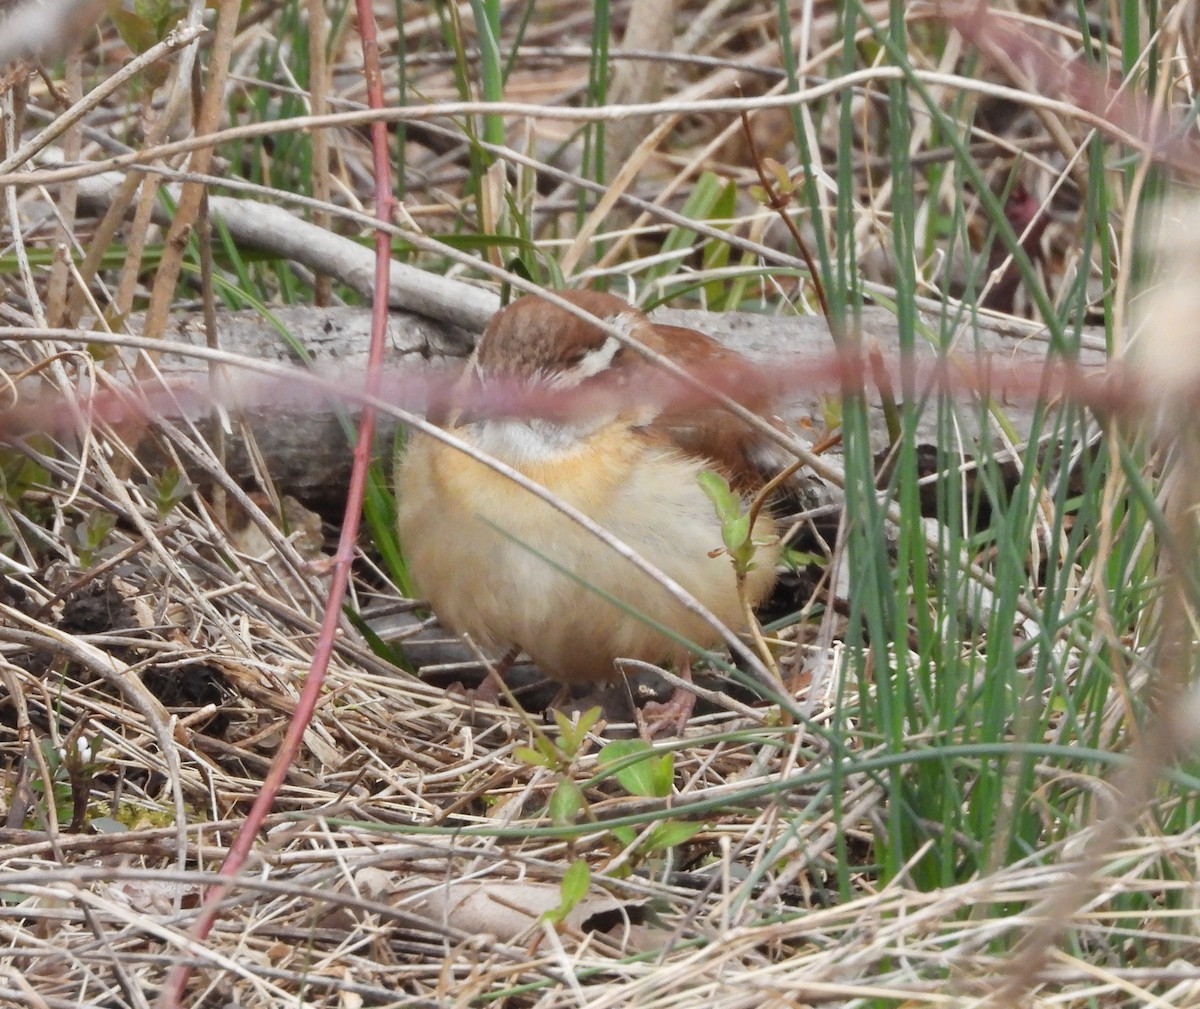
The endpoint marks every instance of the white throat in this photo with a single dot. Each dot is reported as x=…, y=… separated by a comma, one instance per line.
x=533, y=440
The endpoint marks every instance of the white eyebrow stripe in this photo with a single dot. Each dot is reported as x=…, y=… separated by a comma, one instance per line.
x=599, y=359
x=593, y=363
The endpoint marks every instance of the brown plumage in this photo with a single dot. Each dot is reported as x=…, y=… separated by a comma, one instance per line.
x=631, y=466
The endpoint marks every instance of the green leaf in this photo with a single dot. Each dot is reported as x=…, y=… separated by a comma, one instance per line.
x=588, y=720
x=528, y=755
x=385, y=650
x=573, y=733
x=799, y=559
x=702, y=204
x=574, y=888
x=662, y=775
x=831, y=412
x=783, y=181
x=566, y=803
x=626, y=835
x=546, y=747
x=90, y=534
x=735, y=532
x=19, y=475
x=651, y=776
x=717, y=251
x=51, y=755
x=379, y=508
x=669, y=834
x=575, y=882
x=727, y=504
x=565, y=726
x=166, y=490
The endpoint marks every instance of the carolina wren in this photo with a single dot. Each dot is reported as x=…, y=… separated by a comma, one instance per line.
x=629, y=465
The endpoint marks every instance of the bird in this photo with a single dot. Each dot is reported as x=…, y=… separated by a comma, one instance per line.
x=501, y=565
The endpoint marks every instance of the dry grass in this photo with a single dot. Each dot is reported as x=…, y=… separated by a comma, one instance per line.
x=150, y=664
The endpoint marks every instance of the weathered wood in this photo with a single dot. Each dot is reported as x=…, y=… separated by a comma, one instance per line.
x=306, y=450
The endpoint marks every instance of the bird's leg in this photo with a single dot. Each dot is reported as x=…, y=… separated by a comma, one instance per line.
x=488, y=692
x=670, y=717
x=493, y=683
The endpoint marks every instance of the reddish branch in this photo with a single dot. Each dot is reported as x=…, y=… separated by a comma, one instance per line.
x=439, y=391
x=309, y=694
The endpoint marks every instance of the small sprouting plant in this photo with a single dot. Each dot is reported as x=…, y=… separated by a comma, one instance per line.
x=637, y=767
x=91, y=533
x=735, y=520
x=70, y=769
x=737, y=533
x=782, y=184
x=19, y=475
x=642, y=770
x=166, y=490
x=567, y=802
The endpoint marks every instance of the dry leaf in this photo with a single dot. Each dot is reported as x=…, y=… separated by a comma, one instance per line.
x=509, y=910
